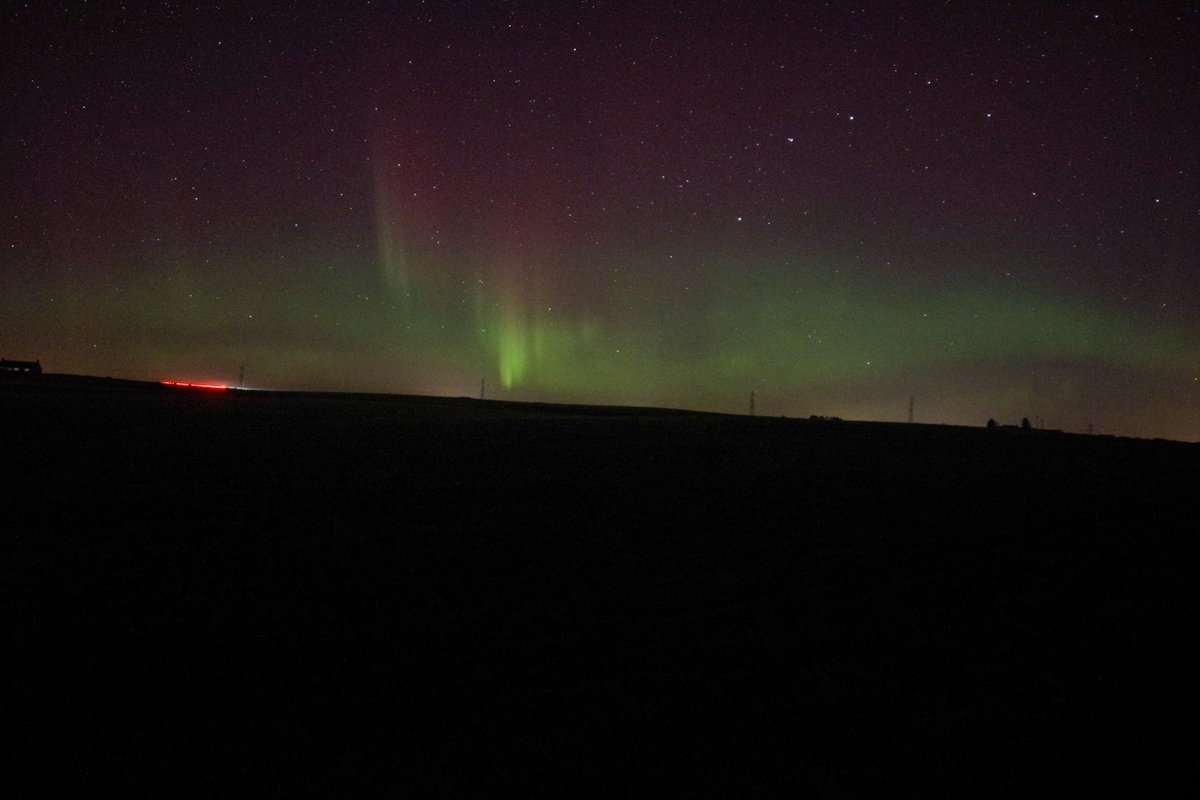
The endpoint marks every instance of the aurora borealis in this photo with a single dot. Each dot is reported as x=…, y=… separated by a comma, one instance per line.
x=991, y=208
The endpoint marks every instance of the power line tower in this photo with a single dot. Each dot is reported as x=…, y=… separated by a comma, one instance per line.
x=910, y=409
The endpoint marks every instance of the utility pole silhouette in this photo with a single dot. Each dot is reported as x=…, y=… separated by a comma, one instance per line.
x=752, y=404
x=910, y=409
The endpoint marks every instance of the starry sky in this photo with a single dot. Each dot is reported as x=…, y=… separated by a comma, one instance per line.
x=992, y=208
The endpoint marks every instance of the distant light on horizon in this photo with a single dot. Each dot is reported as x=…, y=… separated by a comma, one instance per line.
x=187, y=385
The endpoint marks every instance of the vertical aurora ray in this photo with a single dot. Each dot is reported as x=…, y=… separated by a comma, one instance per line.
x=513, y=352
x=530, y=344
x=391, y=250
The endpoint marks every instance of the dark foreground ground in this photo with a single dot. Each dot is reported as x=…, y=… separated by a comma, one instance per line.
x=209, y=594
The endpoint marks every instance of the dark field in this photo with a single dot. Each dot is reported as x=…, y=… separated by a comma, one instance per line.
x=216, y=593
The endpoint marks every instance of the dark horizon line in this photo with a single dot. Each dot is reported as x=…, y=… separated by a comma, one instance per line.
x=165, y=384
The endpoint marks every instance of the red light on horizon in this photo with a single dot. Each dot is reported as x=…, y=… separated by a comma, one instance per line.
x=185, y=385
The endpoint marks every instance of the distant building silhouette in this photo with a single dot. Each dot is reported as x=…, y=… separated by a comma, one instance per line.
x=20, y=367
x=1025, y=425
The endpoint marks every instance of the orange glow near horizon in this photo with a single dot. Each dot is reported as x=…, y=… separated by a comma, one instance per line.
x=184, y=385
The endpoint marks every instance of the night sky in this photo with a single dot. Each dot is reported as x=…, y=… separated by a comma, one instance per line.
x=993, y=208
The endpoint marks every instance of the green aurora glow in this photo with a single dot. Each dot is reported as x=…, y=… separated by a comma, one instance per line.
x=804, y=344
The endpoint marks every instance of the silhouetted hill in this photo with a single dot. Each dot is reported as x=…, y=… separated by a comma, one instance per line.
x=210, y=592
